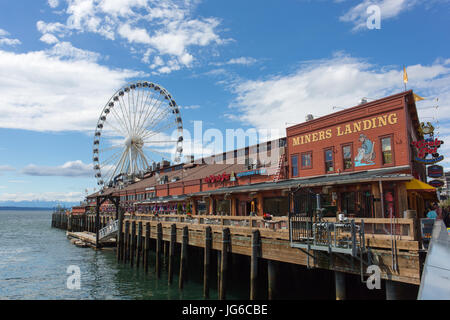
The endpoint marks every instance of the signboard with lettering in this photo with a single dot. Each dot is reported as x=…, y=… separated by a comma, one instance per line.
x=217, y=178
x=251, y=173
x=436, y=183
x=435, y=171
x=427, y=147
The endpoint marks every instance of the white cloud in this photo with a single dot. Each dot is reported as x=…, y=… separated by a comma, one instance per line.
x=53, y=3
x=60, y=89
x=389, y=9
x=69, y=169
x=167, y=27
x=316, y=86
x=49, y=38
x=7, y=41
x=246, y=61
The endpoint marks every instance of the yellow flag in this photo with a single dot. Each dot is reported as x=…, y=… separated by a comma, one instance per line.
x=417, y=97
x=405, y=75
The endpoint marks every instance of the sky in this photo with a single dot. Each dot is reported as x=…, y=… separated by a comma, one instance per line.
x=230, y=64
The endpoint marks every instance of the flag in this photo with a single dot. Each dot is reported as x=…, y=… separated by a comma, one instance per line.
x=417, y=97
x=405, y=75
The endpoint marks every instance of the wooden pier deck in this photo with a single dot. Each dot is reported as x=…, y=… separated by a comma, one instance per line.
x=275, y=245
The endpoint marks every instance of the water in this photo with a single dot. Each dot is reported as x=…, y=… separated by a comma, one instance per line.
x=34, y=259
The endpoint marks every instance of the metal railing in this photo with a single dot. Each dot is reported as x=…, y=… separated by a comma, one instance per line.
x=111, y=229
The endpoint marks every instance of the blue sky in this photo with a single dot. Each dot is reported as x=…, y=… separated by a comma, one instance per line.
x=231, y=64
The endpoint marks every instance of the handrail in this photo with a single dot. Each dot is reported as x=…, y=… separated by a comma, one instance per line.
x=111, y=227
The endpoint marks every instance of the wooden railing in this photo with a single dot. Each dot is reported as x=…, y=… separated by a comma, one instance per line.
x=379, y=228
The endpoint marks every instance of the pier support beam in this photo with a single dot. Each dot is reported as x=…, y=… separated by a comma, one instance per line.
x=256, y=246
x=224, y=263
x=183, y=257
x=339, y=278
x=399, y=291
x=147, y=246
x=206, y=262
x=158, y=249
x=272, y=270
x=126, y=247
x=139, y=246
x=133, y=243
x=120, y=237
x=173, y=239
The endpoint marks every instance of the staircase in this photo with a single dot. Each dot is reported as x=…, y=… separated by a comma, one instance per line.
x=109, y=231
x=277, y=176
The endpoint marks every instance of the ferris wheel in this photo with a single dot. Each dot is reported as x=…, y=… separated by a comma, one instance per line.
x=139, y=126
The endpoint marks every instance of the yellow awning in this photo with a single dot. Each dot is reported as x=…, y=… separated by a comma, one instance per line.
x=417, y=185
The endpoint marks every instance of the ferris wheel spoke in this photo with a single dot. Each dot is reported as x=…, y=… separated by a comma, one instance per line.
x=152, y=109
x=151, y=133
x=143, y=111
x=157, y=119
x=164, y=155
x=127, y=114
x=109, y=149
x=119, y=119
x=120, y=131
x=155, y=107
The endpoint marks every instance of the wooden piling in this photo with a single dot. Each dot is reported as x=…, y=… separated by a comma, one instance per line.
x=158, y=249
x=272, y=267
x=173, y=240
x=183, y=257
x=224, y=263
x=133, y=243
x=206, y=262
x=126, y=247
x=256, y=246
x=139, y=245
x=339, y=278
x=120, y=238
x=147, y=246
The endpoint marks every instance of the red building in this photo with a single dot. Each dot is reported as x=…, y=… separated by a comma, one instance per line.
x=359, y=161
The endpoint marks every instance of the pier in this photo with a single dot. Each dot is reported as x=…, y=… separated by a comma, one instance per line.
x=266, y=244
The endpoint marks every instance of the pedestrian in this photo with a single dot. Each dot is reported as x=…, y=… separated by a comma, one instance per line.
x=431, y=213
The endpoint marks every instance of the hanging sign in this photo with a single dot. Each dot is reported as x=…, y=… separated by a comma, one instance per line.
x=436, y=183
x=427, y=147
x=435, y=171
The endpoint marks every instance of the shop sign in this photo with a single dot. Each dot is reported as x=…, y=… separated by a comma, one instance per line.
x=251, y=173
x=233, y=176
x=427, y=146
x=218, y=178
x=435, y=171
x=149, y=188
x=436, y=183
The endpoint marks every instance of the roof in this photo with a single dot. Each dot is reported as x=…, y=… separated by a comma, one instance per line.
x=391, y=174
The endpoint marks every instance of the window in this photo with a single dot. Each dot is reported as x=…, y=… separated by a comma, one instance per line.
x=347, y=156
x=294, y=161
x=329, y=165
x=307, y=160
x=386, y=150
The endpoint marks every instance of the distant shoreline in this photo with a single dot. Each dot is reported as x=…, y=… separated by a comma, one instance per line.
x=26, y=208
